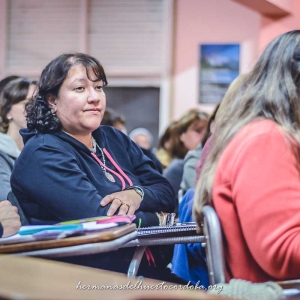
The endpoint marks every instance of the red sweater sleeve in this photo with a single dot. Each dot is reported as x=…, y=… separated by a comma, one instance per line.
x=266, y=193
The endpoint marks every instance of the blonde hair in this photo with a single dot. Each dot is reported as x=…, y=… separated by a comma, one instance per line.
x=270, y=91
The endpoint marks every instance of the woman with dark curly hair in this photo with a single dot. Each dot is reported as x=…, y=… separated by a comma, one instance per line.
x=15, y=93
x=81, y=169
x=73, y=168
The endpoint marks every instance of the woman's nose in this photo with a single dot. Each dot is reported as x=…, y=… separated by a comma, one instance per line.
x=93, y=96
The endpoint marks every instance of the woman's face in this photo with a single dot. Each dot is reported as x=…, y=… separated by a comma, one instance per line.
x=81, y=102
x=17, y=112
x=194, y=134
x=143, y=141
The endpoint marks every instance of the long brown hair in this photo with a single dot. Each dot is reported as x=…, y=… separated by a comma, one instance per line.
x=177, y=148
x=270, y=91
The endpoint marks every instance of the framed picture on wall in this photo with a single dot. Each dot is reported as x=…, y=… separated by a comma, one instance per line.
x=219, y=66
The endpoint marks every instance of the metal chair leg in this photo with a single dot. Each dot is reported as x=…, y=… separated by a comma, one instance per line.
x=135, y=262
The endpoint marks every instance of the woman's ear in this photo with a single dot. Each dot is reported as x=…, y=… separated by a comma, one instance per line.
x=52, y=100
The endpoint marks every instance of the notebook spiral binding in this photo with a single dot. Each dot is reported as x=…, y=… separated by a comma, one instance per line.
x=181, y=227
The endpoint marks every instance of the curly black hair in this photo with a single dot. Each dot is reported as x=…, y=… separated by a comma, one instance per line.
x=38, y=112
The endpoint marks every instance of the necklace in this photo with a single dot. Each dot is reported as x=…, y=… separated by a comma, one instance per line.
x=108, y=175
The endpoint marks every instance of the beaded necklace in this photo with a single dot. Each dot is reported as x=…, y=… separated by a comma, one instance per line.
x=95, y=146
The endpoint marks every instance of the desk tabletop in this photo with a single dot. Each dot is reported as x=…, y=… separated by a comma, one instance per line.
x=93, y=237
x=35, y=278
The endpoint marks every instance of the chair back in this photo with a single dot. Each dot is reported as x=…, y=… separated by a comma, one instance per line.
x=14, y=201
x=215, y=255
x=213, y=246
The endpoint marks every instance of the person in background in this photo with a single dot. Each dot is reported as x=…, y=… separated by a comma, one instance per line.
x=73, y=168
x=193, y=156
x=162, y=153
x=251, y=174
x=9, y=219
x=189, y=260
x=208, y=138
x=142, y=137
x=187, y=134
x=6, y=80
x=112, y=118
x=13, y=98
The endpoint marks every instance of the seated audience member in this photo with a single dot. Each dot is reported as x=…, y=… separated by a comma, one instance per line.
x=208, y=138
x=112, y=118
x=73, y=168
x=189, y=261
x=193, y=156
x=188, y=133
x=6, y=80
x=9, y=219
x=251, y=173
x=79, y=159
x=13, y=98
x=142, y=137
x=162, y=153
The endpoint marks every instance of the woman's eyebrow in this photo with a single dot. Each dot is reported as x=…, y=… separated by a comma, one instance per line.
x=78, y=79
x=84, y=80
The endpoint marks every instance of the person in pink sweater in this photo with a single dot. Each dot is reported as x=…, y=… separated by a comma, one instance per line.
x=252, y=172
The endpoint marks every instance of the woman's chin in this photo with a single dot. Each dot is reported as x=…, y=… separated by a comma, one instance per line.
x=95, y=127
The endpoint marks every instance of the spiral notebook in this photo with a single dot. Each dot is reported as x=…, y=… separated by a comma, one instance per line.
x=186, y=228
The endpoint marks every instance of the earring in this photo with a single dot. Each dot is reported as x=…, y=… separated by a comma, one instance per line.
x=53, y=111
x=9, y=118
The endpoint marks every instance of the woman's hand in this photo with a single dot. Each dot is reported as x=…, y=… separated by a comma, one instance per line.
x=9, y=218
x=126, y=201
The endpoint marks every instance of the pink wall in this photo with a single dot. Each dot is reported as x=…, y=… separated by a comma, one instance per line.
x=272, y=28
x=284, y=4
x=213, y=21
x=218, y=21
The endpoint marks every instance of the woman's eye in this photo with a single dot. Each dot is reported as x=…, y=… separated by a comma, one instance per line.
x=79, y=88
x=198, y=130
x=99, y=87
